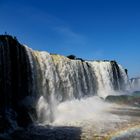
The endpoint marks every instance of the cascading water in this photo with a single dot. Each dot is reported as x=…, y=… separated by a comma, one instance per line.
x=71, y=79
x=135, y=84
x=39, y=82
x=65, y=79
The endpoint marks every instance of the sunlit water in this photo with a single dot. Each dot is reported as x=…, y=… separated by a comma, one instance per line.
x=93, y=115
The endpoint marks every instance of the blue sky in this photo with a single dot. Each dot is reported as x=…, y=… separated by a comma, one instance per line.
x=90, y=29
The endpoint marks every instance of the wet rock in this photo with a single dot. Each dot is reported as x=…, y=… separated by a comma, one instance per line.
x=16, y=82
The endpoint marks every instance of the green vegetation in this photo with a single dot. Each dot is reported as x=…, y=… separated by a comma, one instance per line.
x=133, y=99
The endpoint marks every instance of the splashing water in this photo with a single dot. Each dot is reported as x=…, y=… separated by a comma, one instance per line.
x=76, y=111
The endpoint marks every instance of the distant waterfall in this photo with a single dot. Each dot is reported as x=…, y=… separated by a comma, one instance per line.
x=135, y=84
x=32, y=79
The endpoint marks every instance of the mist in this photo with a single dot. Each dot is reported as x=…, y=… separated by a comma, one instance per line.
x=76, y=112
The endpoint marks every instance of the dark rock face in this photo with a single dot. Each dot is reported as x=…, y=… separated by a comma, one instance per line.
x=15, y=80
x=48, y=133
x=73, y=57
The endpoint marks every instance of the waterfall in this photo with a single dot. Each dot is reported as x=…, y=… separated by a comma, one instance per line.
x=65, y=79
x=135, y=84
x=71, y=79
x=34, y=81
